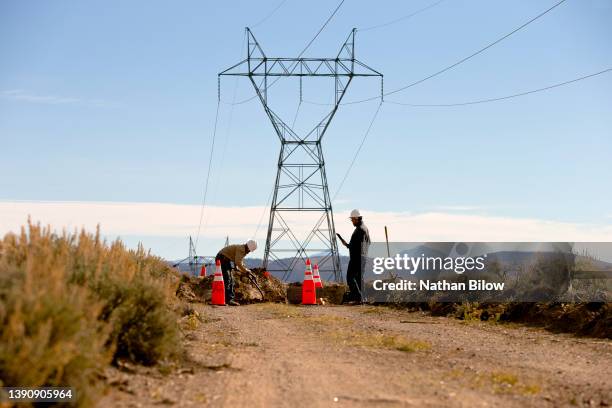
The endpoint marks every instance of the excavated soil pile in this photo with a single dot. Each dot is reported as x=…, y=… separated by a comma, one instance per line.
x=274, y=290
x=331, y=292
x=587, y=319
x=196, y=289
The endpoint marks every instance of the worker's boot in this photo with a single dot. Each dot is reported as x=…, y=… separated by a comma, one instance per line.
x=233, y=303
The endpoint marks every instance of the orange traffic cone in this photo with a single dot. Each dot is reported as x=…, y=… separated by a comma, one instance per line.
x=318, y=285
x=218, y=287
x=309, y=296
x=317, y=277
x=203, y=271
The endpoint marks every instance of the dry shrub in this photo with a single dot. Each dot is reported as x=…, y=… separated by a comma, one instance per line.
x=50, y=331
x=144, y=328
x=70, y=303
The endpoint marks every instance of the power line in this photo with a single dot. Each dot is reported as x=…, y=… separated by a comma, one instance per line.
x=263, y=213
x=503, y=97
x=297, y=111
x=227, y=136
x=270, y=14
x=243, y=101
x=319, y=103
x=212, y=150
x=397, y=20
x=444, y=69
x=301, y=53
x=461, y=61
x=365, y=136
x=322, y=28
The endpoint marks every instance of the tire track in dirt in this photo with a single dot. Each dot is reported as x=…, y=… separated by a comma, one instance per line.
x=298, y=361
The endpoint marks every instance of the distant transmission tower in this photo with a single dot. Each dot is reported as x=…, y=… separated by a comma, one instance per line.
x=193, y=257
x=301, y=182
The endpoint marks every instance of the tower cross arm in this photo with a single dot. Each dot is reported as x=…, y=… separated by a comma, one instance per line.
x=234, y=69
x=301, y=67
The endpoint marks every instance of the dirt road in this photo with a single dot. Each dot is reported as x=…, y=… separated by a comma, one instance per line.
x=270, y=355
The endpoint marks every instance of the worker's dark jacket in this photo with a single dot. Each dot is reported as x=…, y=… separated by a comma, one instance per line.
x=358, y=251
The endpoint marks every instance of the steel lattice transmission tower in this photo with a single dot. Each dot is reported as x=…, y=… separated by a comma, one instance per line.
x=301, y=182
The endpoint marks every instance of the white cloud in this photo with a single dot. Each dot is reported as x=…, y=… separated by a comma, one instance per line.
x=440, y=226
x=22, y=95
x=25, y=96
x=459, y=208
x=125, y=218
x=177, y=220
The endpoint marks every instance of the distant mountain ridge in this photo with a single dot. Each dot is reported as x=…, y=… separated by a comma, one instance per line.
x=296, y=275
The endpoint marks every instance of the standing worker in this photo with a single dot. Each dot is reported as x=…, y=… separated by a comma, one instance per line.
x=233, y=254
x=358, y=252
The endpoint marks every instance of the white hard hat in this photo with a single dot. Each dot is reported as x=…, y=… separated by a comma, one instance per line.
x=252, y=245
x=355, y=213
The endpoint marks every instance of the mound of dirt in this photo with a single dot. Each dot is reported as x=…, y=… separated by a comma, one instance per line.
x=331, y=292
x=259, y=287
x=274, y=290
x=586, y=319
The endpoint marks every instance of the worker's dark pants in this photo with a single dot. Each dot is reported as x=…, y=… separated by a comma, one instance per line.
x=353, y=278
x=228, y=279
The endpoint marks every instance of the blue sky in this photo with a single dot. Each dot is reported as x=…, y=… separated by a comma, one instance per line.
x=112, y=101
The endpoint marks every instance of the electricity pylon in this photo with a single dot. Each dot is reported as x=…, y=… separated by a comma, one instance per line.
x=301, y=182
x=193, y=257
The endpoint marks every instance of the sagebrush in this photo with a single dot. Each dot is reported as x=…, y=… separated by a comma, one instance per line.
x=70, y=304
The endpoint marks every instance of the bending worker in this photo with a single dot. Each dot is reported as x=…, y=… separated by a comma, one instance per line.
x=358, y=251
x=233, y=254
